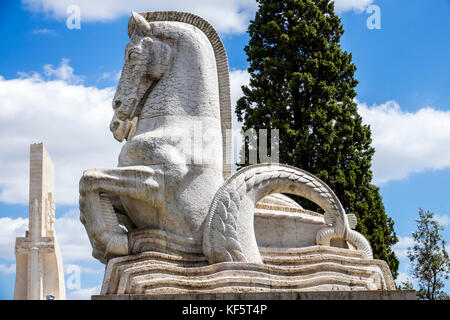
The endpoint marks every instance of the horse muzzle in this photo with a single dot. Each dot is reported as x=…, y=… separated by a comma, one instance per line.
x=123, y=129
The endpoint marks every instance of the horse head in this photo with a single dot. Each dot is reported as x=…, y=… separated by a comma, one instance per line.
x=147, y=60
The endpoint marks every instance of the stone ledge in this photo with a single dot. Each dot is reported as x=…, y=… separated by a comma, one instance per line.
x=318, y=295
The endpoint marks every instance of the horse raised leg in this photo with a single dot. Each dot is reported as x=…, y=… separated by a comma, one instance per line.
x=107, y=238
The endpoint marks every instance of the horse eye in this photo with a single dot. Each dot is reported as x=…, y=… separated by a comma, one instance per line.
x=133, y=55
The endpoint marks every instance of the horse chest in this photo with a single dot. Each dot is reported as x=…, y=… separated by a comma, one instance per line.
x=153, y=150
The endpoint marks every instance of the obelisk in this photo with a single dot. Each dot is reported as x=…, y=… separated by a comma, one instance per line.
x=39, y=269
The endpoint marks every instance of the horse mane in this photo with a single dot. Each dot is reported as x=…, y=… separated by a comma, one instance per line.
x=222, y=71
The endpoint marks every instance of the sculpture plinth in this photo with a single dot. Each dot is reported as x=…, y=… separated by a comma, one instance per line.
x=163, y=264
x=171, y=220
x=297, y=270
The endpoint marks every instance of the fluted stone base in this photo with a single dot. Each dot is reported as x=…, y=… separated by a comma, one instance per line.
x=286, y=274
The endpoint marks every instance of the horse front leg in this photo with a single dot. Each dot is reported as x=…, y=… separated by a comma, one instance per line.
x=107, y=238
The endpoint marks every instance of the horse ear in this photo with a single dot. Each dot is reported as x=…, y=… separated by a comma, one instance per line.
x=141, y=25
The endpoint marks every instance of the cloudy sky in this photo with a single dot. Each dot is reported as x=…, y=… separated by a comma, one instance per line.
x=56, y=87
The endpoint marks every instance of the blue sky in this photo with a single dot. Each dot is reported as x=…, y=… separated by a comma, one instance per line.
x=57, y=83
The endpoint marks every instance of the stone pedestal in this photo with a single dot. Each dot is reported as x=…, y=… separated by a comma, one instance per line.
x=175, y=270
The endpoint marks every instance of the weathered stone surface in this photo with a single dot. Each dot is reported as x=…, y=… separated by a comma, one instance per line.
x=316, y=268
x=39, y=270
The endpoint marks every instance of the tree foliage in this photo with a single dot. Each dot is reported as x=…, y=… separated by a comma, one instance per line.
x=303, y=84
x=429, y=259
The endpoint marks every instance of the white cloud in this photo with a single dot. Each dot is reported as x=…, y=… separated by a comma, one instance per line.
x=5, y=269
x=406, y=142
x=347, y=5
x=70, y=233
x=72, y=121
x=401, y=247
x=442, y=219
x=231, y=16
x=72, y=238
x=43, y=31
x=10, y=229
x=404, y=277
x=68, y=269
x=238, y=78
x=63, y=72
x=83, y=294
x=92, y=270
x=113, y=76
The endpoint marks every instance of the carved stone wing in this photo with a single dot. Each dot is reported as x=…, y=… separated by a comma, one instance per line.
x=228, y=233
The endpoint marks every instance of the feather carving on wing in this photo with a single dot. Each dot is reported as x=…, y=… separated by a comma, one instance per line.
x=225, y=235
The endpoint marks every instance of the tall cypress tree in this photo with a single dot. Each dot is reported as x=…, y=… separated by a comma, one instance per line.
x=302, y=83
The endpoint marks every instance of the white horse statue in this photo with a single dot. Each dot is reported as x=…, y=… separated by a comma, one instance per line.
x=172, y=105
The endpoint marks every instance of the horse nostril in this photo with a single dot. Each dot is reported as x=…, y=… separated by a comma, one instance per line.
x=117, y=104
x=114, y=125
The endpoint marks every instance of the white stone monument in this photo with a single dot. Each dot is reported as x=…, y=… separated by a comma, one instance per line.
x=39, y=268
x=171, y=221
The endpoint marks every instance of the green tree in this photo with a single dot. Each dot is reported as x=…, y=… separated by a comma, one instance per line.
x=302, y=83
x=429, y=259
